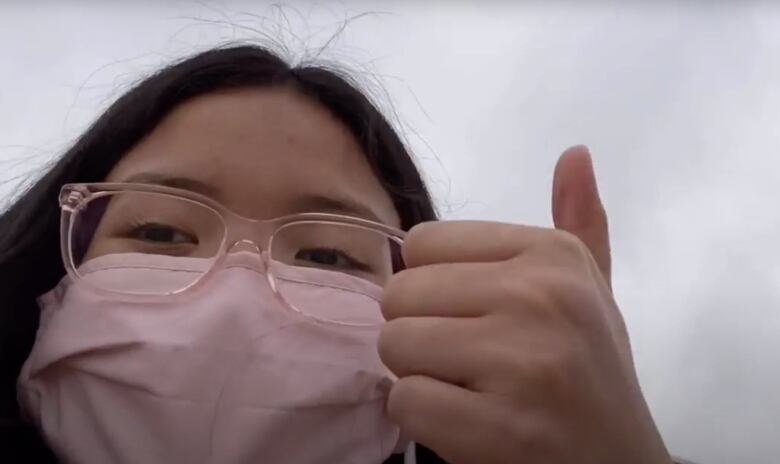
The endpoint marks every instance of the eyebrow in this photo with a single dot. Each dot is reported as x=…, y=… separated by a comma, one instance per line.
x=312, y=203
x=305, y=203
x=184, y=183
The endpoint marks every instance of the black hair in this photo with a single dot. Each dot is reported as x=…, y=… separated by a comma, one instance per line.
x=30, y=262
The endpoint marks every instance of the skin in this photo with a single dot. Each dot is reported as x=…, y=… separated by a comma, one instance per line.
x=524, y=357
x=262, y=153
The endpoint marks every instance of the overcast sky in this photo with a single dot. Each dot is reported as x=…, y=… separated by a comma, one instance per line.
x=680, y=106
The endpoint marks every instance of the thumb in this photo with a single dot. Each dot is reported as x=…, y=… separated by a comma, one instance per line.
x=577, y=208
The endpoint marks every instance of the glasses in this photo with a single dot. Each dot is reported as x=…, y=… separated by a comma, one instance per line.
x=144, y=225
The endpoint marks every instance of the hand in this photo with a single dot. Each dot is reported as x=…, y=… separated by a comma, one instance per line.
x=508, y=344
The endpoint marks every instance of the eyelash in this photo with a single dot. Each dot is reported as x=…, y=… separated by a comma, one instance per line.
x=135, y=226
x=358, y=265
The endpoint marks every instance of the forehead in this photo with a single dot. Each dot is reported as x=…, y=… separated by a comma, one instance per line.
x=263, y=152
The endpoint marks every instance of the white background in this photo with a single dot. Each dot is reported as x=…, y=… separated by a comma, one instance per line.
x=679, y=104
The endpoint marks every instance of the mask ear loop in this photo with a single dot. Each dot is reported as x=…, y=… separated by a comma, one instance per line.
x=410, y=455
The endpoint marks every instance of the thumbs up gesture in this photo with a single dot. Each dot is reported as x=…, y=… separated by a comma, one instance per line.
x=508, y=344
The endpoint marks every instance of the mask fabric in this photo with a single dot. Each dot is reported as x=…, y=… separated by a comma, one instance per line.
x=222, y=373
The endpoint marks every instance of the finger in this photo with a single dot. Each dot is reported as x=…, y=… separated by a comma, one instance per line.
x=445, y=348
x=577, y=207
x=467, y=241
x=448, y=289
x=482, y=355
x=461, y=426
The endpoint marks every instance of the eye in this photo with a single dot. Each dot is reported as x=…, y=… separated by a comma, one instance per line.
x=162, y=234
x=329, y=258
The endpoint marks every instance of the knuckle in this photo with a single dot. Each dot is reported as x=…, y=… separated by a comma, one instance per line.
x=391, y=340
x=394, y=293
x=568, y=287
x=575, y=297
x=549, y=375
x=550, y=293
x=563, y=295
x=400, y=401
x=543, y=439
x=559, y=371
x=569, y=244
x=520, y=287
x=510, y=425
x=529, y=434
x=417, y=239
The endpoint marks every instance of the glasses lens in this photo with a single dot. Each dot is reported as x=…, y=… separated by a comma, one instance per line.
x=145, y=232
x=309, y=260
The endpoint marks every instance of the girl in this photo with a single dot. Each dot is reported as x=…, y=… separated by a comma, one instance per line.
x=238, y=262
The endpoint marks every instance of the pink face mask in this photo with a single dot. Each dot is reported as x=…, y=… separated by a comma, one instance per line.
x=222, y=374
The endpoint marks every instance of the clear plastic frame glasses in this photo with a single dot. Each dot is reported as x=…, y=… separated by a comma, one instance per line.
x=148, y=224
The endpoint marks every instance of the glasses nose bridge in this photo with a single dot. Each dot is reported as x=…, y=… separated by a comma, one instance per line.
x=249, y=235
